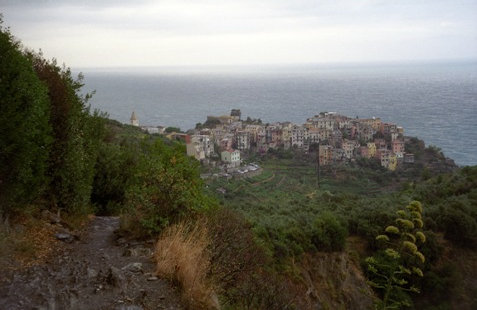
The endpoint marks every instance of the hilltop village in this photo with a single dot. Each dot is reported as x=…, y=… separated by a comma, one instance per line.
x=338, y=138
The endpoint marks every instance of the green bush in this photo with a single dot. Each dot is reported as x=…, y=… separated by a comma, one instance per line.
x=459, y=227
x=328, y=233
x=166, y=187
x=452, y=198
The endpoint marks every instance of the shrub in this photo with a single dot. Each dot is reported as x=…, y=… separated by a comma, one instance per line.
x=267, y=290
x=328, y=233
x=235, y=255
x=459, y=227
x=166, y=188
x=114, y=171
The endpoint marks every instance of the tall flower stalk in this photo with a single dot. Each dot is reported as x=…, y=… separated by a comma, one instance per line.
x=391, y=271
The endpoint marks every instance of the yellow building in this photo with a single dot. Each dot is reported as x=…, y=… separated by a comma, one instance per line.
x=371, y=149
x=392, y=165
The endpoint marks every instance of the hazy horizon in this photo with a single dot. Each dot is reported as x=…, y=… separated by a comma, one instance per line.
x=265, y=68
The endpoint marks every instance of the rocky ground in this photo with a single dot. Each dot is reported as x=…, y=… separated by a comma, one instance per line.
x=94, y=271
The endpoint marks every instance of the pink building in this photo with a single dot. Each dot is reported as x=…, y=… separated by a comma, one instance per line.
x=398, y=147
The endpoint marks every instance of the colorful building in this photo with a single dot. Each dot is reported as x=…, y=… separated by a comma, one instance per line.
x=398, y=146
x=199, y=146
x=371, y=149
x=326, y=154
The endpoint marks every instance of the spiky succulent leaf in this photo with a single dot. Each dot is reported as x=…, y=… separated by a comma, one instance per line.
x=404, y=269
x=414, y=289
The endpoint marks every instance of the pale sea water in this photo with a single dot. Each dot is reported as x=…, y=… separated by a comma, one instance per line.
x=435, y=102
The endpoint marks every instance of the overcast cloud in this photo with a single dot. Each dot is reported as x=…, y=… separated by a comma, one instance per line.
x=110, y=33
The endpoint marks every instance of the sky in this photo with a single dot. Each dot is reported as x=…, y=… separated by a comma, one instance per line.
x=129, y=33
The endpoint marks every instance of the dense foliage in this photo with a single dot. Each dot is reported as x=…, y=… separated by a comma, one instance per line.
x=57, y=154
x=452, y=199
x=25, y=131
x=166, y=187
x=288, y=214
x=115, y=169
x=76, y=137
x=50, y=140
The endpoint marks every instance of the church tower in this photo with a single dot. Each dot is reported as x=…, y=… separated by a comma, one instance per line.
x=134, y=120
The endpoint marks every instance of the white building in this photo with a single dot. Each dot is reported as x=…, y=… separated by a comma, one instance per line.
x=153, y=129
x=298, y=136
x=231, y=157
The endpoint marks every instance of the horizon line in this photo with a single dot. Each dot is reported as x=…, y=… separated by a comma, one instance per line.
x=275, y=65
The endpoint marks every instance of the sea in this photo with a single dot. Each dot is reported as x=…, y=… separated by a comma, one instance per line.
x=436, y=102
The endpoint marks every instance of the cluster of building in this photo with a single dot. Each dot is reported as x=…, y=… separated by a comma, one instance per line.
x=338, y=139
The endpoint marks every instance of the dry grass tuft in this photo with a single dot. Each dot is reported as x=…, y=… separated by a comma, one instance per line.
x=26, y=242
x=181, y=255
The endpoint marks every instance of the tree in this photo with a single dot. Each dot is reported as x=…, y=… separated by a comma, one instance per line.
x=392, y=269
x=77, y=135
x=24, y=129
x=172, y=129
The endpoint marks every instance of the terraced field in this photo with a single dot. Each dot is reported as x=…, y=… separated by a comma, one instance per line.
x=283, y=202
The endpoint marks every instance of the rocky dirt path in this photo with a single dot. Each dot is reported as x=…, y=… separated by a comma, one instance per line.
x=96, y=272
